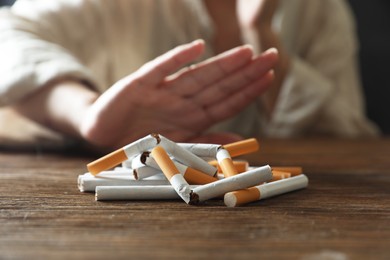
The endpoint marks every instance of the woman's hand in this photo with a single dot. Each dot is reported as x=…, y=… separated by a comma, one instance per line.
x=255, y=18
x=182, y=104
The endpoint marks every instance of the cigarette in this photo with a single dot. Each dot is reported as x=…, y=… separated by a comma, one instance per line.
x=226, y=163
x=279, y=175
x=242, y=147
x=161, y=192
x=237, y=182
x=122, y=154
x=192, y=176
x=240, y=165
x=241, y=197
x=294, y=170
x=201, y=150
x=88, y=182
x=172, y=173
x=186, y=157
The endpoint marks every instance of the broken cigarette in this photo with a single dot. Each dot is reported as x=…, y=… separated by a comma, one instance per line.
x=161, y=192
x=240, y=181
x=172, y=173
x=267, y=190
x=122, y=154
x=225, y=162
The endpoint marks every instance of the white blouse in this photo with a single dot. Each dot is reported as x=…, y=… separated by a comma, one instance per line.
x=99, y=42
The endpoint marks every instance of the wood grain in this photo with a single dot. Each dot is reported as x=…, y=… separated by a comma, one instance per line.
x=343, y=214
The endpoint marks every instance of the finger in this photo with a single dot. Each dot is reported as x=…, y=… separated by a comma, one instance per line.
x=195, y=78
x=154, y=72
x=237, y=102
x=238, y=80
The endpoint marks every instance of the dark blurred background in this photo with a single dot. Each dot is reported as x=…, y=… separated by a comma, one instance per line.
x=6, y=2
x=373, y=24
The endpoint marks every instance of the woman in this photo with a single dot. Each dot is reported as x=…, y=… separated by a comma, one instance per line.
x=82, y=68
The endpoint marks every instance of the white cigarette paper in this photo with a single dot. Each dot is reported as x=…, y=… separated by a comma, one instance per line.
x=161, y=192
x=283, y=186
x=140, y=170
x=87, y=182
x=201, y=150
x=268, y=190
x=134, y=163
x=240, y=181
x=127, y=163
x=144, y=172
x=141, y=145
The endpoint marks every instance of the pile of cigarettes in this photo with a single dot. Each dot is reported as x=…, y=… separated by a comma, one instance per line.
x=156, y=168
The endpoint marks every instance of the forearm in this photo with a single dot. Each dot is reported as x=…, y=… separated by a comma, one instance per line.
x=60, y=105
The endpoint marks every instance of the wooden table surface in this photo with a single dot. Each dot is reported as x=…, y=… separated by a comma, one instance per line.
x=343, y=214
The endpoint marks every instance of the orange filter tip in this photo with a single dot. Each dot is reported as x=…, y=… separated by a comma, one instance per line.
x=106, y=162
x=242, y=147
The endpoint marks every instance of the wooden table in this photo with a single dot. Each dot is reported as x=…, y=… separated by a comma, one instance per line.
x=343, y=214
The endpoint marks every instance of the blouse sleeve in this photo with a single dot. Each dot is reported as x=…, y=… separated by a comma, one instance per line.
x=322, y=93
x=35, y=47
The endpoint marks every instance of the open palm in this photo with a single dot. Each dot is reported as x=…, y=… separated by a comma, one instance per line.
x=179, y=104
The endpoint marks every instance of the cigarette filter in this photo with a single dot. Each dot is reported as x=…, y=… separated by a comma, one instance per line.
x=122, y=154
x=240, y=165
x=240, y=181
x=187, y=157
x=242, y=147
x=88, y=182
x=172, y=173
x=241, y=197
x=226, y=163
x=279, y=175
x=293, y=170
x=161, y=192
x=195, y=177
